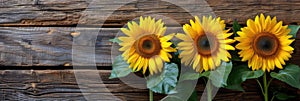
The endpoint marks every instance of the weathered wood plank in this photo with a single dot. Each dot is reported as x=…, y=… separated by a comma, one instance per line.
x=118, y=12
x=63, y=84
x=52, y=46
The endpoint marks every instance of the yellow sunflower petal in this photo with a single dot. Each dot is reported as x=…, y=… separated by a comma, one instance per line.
x=229, y=47
x=278, y=64
x=259, y=63
x=159, y=63
x=152, y=66
x=167, y=37
x=204, y=63
x=162, y=31
x=189, y=30
x=211, y=64
x=277, y=27
x=258, y=24
x=216, y=61
x=262, y=21
x=142, y=63
x=146, y=62
x=288, y=48
x=142, y=24
x=137, y=64
x=251, y=25
x=185, y=59
x=185, y=44
x=133, y=58
x=183, y=37
x=267, y=23
x=166, y=44
x=229, y=41
x=164, y=56
x=196, y=62
x=228, y=54
x=281, y=60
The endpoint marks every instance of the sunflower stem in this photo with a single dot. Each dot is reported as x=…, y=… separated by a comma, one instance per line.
x=265, y=87
x=150, y=95
x=209, y=90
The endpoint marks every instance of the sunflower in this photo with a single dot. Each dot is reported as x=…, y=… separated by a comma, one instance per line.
x=265, y=43
x=145, y=45
x=205, y=43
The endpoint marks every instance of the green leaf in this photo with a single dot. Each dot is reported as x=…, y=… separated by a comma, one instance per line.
x=165, y=81
x=115, y=40
x=193, y=97
x=236, y=27
x=189, y=76
x=289, y=75
x=171, y=98
x=283, y=96
x=219, y=76
x=205, y=74
x=184, y=90
x=240, y=74
x=119, y=68
x=294, y=30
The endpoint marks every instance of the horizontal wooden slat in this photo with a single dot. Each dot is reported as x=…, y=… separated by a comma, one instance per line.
x=43, y=45
x=63, y=84
x=52, y=46
x=118, y=12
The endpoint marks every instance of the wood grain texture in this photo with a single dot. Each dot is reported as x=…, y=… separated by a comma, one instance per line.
x=43, y=33
x=116, y=13
x=62, y=85
x=52, y=46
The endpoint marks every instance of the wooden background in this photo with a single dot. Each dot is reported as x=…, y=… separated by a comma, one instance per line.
x=35, y=33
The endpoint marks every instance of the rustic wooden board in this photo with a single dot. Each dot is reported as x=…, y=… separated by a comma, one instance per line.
x=62, y=85
x=118, y=12
x=42, y=33
x=52, y=46
x=49, y=46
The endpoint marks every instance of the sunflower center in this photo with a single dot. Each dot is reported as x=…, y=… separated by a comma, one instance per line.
x=148, y=46
x=265, y=44
x=206, y=44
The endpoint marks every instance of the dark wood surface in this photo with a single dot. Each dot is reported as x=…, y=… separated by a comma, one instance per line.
x=62, y=84
x=41, y=33
x=94, y=12
x=52, y=46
